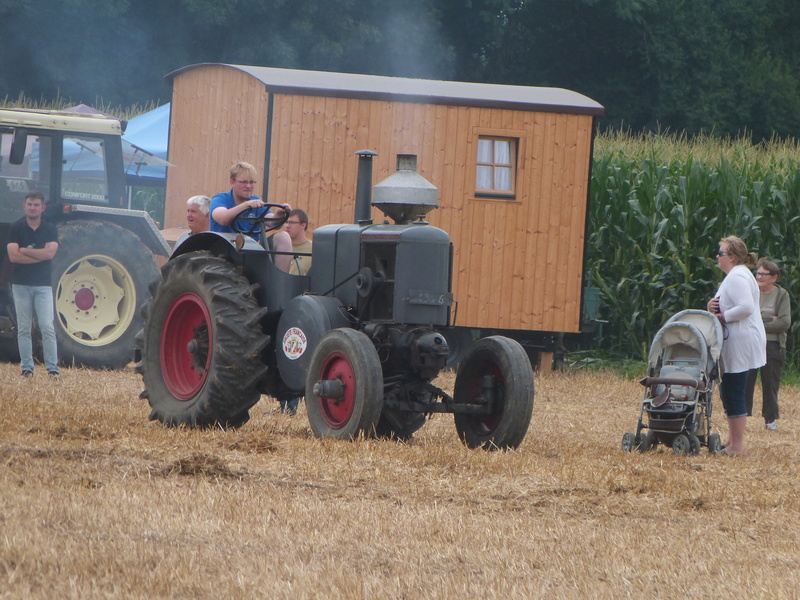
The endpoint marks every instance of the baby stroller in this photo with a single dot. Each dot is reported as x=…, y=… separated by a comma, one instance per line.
x=683, y=365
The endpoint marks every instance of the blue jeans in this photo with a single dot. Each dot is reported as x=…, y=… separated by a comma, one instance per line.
x=27, y=299
x=732, y=390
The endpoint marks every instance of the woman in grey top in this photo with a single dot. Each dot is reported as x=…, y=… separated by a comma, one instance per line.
x=776, y=313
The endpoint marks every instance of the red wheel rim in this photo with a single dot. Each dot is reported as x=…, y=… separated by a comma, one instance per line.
x=486, y=424
x=337, y=411
x=186, y=343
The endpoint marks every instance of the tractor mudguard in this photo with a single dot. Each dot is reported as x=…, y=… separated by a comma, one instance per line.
x=220, y=244
x=301, y=326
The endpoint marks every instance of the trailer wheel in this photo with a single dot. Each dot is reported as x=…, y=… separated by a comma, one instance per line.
x=201, y=344
x=344, y=387
x=502, y=362
x=399, y=425
x=459, y=340
x=100, y=277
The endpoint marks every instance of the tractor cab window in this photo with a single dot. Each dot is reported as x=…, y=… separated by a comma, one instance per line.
x=17, y=180
x=83, y=176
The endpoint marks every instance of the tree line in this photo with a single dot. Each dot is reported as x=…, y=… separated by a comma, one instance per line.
x=725, y=67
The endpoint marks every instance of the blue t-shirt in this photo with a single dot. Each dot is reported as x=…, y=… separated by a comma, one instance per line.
x=223, y=200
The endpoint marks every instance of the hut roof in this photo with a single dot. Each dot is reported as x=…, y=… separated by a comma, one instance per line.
x=401, y=89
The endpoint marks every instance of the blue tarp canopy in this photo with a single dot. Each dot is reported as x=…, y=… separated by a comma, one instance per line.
x=145, y=153
x=144, y=148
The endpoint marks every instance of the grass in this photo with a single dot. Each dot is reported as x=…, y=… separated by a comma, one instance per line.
x=59, y=103
x=97, y=502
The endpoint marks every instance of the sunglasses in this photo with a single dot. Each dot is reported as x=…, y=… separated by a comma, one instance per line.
x=721, y=253
x=762, y=274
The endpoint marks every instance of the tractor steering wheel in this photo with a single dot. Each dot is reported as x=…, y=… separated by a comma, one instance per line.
x=255, y=220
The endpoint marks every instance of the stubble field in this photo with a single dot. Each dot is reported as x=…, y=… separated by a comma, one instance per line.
x=98, y=502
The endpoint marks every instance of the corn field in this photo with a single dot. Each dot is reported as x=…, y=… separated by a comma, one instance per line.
x=659, y=206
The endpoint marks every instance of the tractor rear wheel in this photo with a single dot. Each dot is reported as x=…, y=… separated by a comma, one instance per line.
x=502, y=362
x=100, y=277
x=344, y=388
x=201, y=344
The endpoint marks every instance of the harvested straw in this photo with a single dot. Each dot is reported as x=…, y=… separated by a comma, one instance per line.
x=97, y=502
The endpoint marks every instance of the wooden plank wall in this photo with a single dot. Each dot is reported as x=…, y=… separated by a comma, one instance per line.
x=219, y=117
x=518, y=263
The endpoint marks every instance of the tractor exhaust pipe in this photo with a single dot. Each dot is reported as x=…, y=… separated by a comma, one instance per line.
x=363, y=212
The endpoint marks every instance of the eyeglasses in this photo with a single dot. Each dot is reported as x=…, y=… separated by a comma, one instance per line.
x=293, y=222
x=761, y=274
x=245, y=182
x=721, y=253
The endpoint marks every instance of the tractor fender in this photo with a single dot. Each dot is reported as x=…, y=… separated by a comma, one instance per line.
x=220, y=244
x=273, y=288
x=303, y=323
x=139, y=222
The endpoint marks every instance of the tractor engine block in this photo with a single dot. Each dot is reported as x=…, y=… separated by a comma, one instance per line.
x=418, y=351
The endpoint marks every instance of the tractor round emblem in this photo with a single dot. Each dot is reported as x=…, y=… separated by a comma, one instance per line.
x=294, y=343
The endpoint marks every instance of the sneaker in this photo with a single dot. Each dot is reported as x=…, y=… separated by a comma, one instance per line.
x=772, y=426
x=26, y=374
x=53, y=374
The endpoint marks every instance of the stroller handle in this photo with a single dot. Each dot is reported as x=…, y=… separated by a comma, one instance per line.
x=697, y=384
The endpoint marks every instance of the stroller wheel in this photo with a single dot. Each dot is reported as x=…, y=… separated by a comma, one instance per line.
x=694, y=445
x=647, y=443
x=680, y=445
x=628, y=441
x=714, y=444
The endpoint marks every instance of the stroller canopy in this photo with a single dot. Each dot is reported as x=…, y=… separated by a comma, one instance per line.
x=689, y=334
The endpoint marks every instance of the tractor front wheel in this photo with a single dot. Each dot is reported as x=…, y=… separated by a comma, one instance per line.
x=344, y=388
x=201, y=344
x=497, y=366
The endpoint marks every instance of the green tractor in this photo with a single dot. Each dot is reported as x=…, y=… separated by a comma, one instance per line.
x=105, y=260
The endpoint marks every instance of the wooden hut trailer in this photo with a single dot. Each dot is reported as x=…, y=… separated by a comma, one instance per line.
x=512, y=165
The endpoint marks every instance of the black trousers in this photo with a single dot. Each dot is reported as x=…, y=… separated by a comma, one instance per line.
x=770, y=383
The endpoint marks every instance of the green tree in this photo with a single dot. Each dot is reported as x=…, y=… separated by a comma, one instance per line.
x=725, y=66
x=717, y=66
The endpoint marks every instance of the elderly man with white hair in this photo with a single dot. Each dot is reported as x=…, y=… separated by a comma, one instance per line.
x=197, y=213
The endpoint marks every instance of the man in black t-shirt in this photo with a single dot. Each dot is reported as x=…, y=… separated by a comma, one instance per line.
x=32, y=244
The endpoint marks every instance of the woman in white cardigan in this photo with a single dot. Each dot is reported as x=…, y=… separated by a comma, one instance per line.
x=744, y=348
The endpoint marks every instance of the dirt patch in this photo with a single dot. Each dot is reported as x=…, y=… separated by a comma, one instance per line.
x=200, y=464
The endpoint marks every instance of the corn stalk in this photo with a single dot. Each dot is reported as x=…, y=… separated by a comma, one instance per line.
x=657, y=213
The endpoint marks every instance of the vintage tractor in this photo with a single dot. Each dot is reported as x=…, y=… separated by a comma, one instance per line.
x=361, y=337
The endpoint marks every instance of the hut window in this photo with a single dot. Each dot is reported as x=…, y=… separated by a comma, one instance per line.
x=495, y=165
